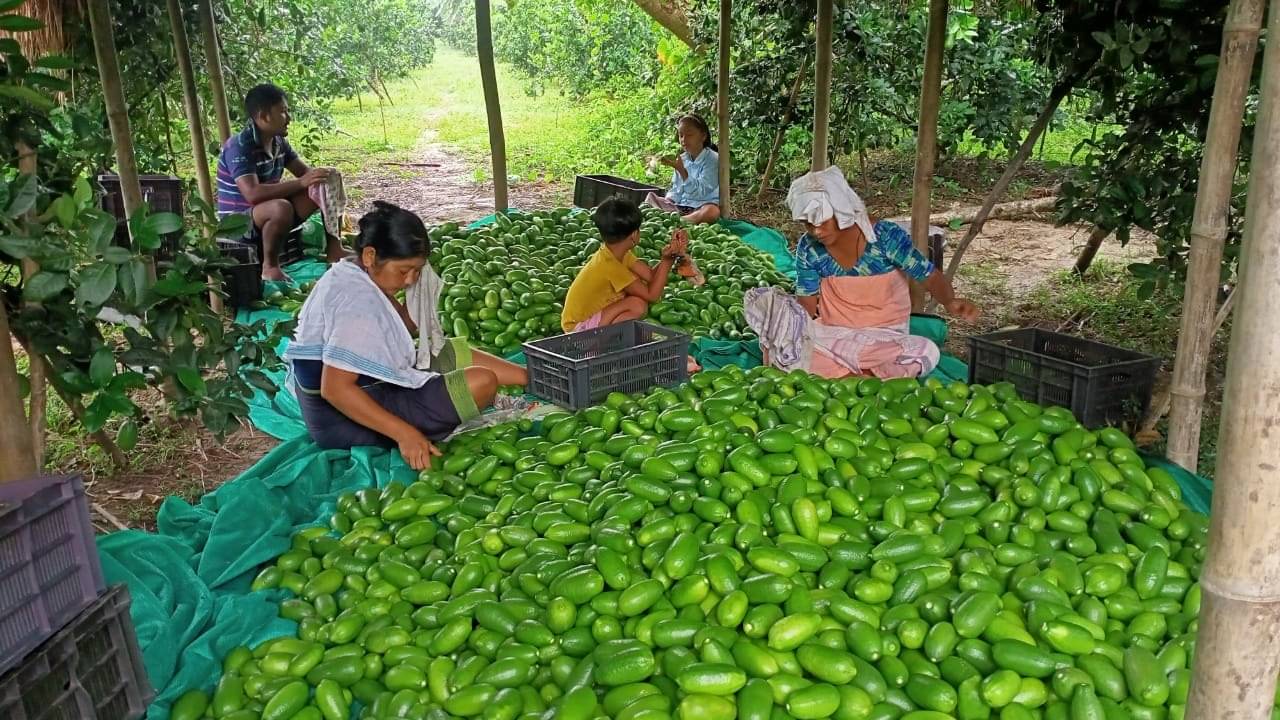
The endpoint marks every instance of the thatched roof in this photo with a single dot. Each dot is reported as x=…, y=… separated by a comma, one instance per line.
x=50, y=38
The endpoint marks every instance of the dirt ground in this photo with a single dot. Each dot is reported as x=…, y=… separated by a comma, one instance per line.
x=1009, y=260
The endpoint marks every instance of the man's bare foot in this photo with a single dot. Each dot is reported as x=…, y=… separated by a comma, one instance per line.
x=273, y=273
x=334, y=251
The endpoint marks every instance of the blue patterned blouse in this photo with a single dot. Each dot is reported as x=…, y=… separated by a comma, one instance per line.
x=891, y=251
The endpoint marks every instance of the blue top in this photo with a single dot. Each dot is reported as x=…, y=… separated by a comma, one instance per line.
x=891, y=251
x=703, y=185
x=242, y=155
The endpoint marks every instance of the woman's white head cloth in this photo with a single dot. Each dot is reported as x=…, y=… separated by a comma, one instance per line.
x=819, y=196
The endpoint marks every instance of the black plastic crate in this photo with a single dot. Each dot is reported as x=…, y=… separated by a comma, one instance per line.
x=579, y=369
x=241, y=282
x=92, y=670
x=161, y=193
x=292, y=251
x=1101, y=384
x=49, y=566
x=591, y=190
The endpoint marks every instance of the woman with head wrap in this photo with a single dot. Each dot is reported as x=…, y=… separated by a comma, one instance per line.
x=852, y=305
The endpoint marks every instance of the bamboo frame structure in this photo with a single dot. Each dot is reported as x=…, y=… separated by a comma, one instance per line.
x=492, y=107
x=1209, y=228
x=191, y=101
x=722, y=103
x=822, y=87
x=1238, y=651
x=104, y=45
x=213, y=66
x=927, y=135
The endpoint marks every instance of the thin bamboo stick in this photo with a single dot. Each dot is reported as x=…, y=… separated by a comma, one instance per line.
x=781, y=134
x=722, y=102
x=1238, y=652
x=492, y=107
x=822, y=85
x=213, y=66
x=1209, y=228
x=927, y=135
x=37, y=374
x=191, y=101
x=104, y=45
x=15, y=435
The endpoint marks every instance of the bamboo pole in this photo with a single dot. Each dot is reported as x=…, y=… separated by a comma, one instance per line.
x=822, y=85
x=37, y=373
x=1209, y=228
x=213, y=66
x=927, y=135
x=104, y=45
x=781, y=134
x=191, y=101
x=15, y=435
x=492, y=107
x=1238, y=652
x=1056, y=96
x=722, y=103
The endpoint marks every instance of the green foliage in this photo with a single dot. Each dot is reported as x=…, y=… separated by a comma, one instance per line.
x=90, y=308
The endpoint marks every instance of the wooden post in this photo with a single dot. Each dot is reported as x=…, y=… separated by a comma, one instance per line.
x=37, y=372
x=927, y=135
x=722, y=102
x=822, y=85
x=213, y=66
x=15, y=435
x=781, y=134
x=191, y=101
x=492, y=108
x=1238, y=652
x=1209, y=228
x=104, y=45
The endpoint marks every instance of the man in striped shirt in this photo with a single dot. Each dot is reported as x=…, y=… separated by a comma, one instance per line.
x=250, y=177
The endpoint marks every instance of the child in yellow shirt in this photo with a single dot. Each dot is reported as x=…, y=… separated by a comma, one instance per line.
x=614, y=285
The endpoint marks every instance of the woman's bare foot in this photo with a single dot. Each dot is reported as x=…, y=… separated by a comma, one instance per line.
x=274, y=273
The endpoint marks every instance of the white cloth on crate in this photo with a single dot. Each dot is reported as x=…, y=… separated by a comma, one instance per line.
x=816, y=197
x=331, y=197
x=782, y=325
x=348, y=323
x=423, y=300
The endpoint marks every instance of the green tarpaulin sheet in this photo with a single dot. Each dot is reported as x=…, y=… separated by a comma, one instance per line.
x=190, y=579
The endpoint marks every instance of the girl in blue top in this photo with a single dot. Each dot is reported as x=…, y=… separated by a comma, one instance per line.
x=695, y=182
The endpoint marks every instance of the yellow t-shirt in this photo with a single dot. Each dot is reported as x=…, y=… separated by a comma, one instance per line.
x=599, y=284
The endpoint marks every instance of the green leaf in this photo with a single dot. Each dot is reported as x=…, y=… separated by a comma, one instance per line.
x=35, y=98
x=260, y=380
x=102, y=367
x=96, y=415
x=163, y=223
x=64, y=209
x=19, y=23
x=233, y=225
x=83, y=193
x=117, y=255
x=23, y=192
x=1146, y=290
x=55, y=62
x=132, y=278
x=102, y=230
x=7, y=5
x=97, y=282
x=43, y=286
x=76, y=381
x=126, y=381
x=19, y=248
x=955, y=224
x=191, y=380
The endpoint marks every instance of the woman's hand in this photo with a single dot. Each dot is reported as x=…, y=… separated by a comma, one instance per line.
x=417, y=450
x=962, y=309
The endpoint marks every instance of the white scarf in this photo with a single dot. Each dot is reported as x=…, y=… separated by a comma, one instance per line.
x=817, y=197
x=422, y=299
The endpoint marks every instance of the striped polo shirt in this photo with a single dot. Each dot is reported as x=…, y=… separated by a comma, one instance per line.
x=243, y=155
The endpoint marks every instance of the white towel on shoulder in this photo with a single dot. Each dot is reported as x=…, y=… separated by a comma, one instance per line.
x=422, y=300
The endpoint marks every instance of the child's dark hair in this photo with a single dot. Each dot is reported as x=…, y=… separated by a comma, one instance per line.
x=616, y=218
x=262, y=98
x=393, y=232
x=698, y=122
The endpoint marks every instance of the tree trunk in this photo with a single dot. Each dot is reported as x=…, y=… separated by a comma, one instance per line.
x=671, y=15
x=1238, y=653
x=927, y=135
x=1004, y=211
x=191, y=101
x=781, y=135
x=104, y=45
x=37, y=369
x=1160, y=405
x=99, y=437
x=822, y=85
x=15, y=435
x=1209, y=228
x=1056, y=96
x=492, y=108
x=213, y=66
x=722, y=103
x=1090, y=249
